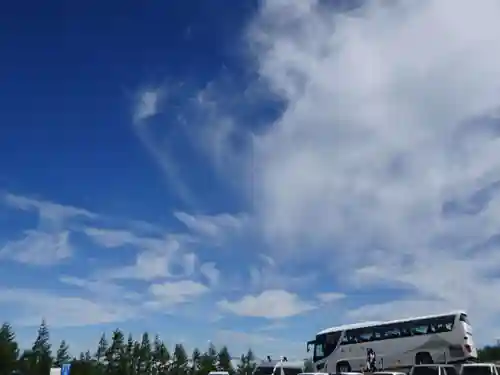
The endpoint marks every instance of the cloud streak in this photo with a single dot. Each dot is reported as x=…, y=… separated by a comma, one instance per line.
x=147, y=105
x=49, y=243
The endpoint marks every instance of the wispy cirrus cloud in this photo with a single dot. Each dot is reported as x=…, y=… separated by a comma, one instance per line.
x=39, y=248
x=49, y=243
x=147, y=105
x=158, y=256
x=215, y=227
x=46, y=210
x=164, y=265
x=268, y=304
x=63, y=311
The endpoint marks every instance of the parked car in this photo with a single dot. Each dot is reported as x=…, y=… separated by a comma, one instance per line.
x=480, y=369
x=433, y=369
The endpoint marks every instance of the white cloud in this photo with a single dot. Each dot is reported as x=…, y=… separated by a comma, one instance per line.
x=39, y=248
x=213, y=226
x=210, y=271
x=156, y=258
x=272, y=304
x=366, y=126
x=271, y=275
x=62, y=311
x=101, y=288
x=48, y=211
x=147, y=104
x=149, y=265
x=330, y=297
x=173, y=293
x=49, y=243
x=110, y=238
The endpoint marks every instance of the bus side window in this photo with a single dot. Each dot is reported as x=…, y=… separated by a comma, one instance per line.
x=442, y=324
x=350, y=337
x=405, y=329
x=449, y=322
x=392, y=331
x=377, y=334
x=365, y=335
x=420, y=327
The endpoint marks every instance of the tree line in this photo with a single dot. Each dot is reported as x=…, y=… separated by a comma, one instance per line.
x=120, y=355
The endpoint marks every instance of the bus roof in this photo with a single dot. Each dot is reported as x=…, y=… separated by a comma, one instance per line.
x=376, y=323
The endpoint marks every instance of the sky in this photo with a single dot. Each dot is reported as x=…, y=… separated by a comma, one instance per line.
x=249, y=172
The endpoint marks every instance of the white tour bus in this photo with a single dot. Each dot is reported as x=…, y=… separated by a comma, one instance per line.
x=397, y=344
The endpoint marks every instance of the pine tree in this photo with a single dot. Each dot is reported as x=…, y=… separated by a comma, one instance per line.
x=241, y=367
x=208, y=360
x=115, y=354
x=24, y=362
x=8, y=350
x=180, y=361
x=41, y=350
x=195, y=358
x=145, y=355
x=62, y=354
x=161, y=357
x=247, y=365
x=102, y=348
x=129, y=352
x=136, y=355
x=224, y=360
x=42, y=342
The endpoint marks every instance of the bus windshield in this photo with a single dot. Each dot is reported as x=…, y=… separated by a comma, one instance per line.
x=309, y=344
x=325, y=344
x=319, y=351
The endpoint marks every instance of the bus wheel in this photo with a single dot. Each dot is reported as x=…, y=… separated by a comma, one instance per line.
x=423, y=358
x=343, y=366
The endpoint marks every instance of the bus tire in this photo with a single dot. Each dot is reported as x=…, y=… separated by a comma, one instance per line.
x=423, y=358
x=343, y=366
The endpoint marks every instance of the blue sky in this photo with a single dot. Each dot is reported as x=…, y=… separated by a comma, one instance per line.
x=247, y=173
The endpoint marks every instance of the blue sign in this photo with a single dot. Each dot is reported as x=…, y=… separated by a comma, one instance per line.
x=65, y=369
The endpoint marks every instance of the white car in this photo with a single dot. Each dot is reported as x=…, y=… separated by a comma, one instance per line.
x=433, y=369
x=480, y=369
